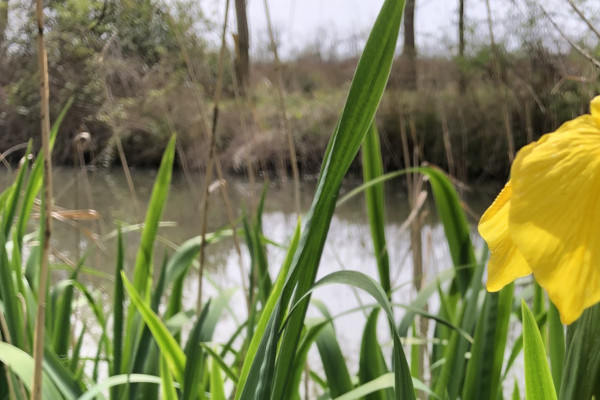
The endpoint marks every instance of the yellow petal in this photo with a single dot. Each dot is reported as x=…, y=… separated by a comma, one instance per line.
x=554, y=214
x=506, y=262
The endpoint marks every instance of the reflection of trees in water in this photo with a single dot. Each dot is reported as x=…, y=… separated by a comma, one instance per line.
x=348, y=239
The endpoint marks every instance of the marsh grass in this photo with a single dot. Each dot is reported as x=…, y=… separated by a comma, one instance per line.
x=153, y=345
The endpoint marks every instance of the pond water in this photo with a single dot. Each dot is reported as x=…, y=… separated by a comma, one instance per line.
x=348, y=245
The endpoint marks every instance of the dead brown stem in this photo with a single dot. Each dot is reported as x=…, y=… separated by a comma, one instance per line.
x=38, y=345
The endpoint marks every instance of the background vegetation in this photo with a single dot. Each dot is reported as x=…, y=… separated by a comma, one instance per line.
x=140, y=70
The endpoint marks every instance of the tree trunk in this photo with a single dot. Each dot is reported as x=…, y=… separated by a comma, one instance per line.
x=462, y=79
x=409, y=51
x=3, y=22
x=242, y=46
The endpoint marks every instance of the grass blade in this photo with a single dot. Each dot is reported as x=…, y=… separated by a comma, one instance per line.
x=118, y=310
x=556, y=345
x=21, y=364
x=375, y=200
x=167, y=387
x=538, y=379
x=456, y=226
x=372, y=364
x=108, y=383
x=383, y=382
x=581, y=373
x=265, y=317
x=142, y=274
x=169, y=348
x=363, y=99
x=217, y=390
x=194, y=356
x=403, y=380
x=334, y=363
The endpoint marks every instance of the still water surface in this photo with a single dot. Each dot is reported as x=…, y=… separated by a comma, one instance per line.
x=348, y=245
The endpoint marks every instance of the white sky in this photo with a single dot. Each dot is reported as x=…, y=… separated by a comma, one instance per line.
x=345, y=23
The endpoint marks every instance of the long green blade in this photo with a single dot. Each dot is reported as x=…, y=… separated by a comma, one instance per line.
x=581, y=372
x=375, y=200
x=538, y=379
x=169, y=348
x=403, y=380
x=142, y=273
x=21, y=364
x=263, y=322
x=363, y=99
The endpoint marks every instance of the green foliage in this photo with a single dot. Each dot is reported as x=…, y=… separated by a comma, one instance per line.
x=538, y=380
x=166, y=349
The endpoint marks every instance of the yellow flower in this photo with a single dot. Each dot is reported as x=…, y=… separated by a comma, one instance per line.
x=546, y=220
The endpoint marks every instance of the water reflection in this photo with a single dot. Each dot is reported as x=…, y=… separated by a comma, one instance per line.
x=348, y=245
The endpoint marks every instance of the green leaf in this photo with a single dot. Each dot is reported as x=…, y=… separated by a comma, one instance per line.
x=142, y=273
x=217, y=390
x=516, y=392
x=421, y=300
x=581, y=373
x=456, y=226
x=334, y=363
x=8, y=294
x=168, y=346
x=484, y=368
x=372, y=364
x=195, y=359
x=63, y=314
x=383, y=382
x=265, y=317
x=21, y=364
x=270, y=379
x=403, y=380
x=538, y=380
x=375, y=201
x=216, y=358
x=183, y=257
x=452, y=374
x=143, y=263
x=61, y=375
x=556, y=345
x=117, y=380
x=118, y=310
x=168, y=388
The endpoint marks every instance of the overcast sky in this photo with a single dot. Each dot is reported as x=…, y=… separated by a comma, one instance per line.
x=300, y=23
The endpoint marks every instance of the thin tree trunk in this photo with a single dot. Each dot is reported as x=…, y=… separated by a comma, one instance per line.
x=500, y=87
x=3, y=22
x=409, y=50
x=462, y=79
x=242, y=47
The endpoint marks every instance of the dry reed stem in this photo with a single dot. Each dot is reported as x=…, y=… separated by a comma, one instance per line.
x=285, y=122
x=500, y=87
x=214, y=160
x=38, y=345
x=208, y=130
x=209, y=169
x=447, y=143
x=416, y=197
x=247, y=100
x=5, y=154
